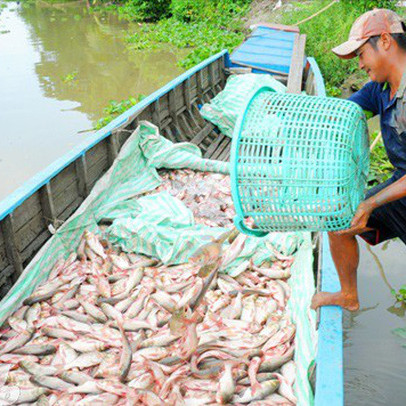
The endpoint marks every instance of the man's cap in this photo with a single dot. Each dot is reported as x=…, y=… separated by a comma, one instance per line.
x=368, y=25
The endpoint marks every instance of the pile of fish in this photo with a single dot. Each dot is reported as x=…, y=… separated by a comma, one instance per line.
x=206, y=194
x=115, y=328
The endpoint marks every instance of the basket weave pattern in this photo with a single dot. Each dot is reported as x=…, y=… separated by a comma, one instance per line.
x=299, y=162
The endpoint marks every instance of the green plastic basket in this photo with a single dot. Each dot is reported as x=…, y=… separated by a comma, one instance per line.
x=298, y=162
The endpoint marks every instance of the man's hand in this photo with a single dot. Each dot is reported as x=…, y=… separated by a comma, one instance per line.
x=360, y=219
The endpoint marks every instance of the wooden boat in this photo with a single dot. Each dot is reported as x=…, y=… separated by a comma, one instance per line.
x=28, y=215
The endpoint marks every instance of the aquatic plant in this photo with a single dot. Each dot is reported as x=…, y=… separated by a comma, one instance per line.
x=400, y=295
x=70, y=77
x=115, y=108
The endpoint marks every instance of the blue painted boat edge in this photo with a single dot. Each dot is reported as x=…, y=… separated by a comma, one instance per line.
x=318, y=78
x=12, y=201
x=329, y=360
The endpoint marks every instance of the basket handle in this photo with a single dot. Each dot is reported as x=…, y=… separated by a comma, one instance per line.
x=239, y=223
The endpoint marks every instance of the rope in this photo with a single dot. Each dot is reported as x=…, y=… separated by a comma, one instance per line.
x=316, y=14
x=378, y=137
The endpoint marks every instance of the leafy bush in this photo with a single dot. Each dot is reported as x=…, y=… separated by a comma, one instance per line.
x=217, y=12
x=145, y=10
x=365, y=5
x=205, y=26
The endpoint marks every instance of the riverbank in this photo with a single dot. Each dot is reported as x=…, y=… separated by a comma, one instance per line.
x=201, y=28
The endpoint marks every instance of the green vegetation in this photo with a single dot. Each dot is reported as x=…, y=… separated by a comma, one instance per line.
x=322, y=36
x=70, y=77
x=204, y=26
x=208, y=26
x=115, y=108
x=400, y=295
x=329, y=29
x=380, y=167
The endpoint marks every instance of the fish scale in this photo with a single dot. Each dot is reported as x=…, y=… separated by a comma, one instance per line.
x=215, y=320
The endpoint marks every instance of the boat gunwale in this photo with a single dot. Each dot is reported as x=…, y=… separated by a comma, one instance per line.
x=329, y=359
x=330, y=354
x=16, y=198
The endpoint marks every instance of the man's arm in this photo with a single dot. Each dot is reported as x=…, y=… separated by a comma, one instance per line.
x=393, y=192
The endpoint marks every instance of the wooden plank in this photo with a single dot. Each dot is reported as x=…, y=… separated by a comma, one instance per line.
x=10, y=241
x=26, y=211
x=156, y=117
x=178, y=134
x=198, y=117
x=96, y=171
x=31, y=249
x=186, y=93
x=63, y=179
x=194, y=122
x=82, y=176
x=220, y=148
x=27, y=234
x=47, y=203
x=223, y=73
x=217, y=72
x=214, y=146
x=4, y=262
x=122, y=136
x=6, y=282
x=202, y=134
x=295, y=77
x=113, y=148
x=187, y=127
x=71, y=209
x=4, y=274
x=205, y=78
x=210, y=69
x=199, y=86
x=225, y=155
x=95, y=154
x=164, y=106
x=169, y=133
x=64, y=199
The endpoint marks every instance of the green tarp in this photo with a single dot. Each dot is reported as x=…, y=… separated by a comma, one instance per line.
x=162, y=226
x=223, y=110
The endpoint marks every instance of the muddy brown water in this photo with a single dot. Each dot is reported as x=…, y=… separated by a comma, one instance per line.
x=42, y=116
x=375, y=358
x=59, y=67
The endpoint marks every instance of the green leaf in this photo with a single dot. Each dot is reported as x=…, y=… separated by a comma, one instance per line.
x=401, y=332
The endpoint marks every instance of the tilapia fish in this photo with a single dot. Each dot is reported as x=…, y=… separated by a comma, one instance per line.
x=115, y=328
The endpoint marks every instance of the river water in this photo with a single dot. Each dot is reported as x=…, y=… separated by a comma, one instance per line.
x=60, y=66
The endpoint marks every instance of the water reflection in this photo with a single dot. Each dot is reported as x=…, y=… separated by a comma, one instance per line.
x=70, y=40
x=374, y=359
x=42, y=114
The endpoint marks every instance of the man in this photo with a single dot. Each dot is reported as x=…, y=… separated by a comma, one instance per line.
x=378, y=39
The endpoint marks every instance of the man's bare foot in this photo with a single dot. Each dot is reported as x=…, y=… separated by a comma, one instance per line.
x=335, y=299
